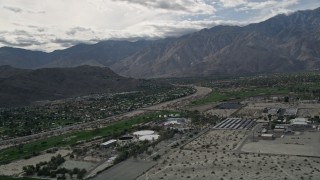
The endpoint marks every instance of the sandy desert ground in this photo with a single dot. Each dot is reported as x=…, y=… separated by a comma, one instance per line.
x=15, y=168
x=222, y=113
x=188, y=164
x=217, y=140
x=306, y=144
x=202, y=159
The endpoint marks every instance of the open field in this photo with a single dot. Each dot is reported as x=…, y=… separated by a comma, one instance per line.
x=306, y=143
x=309, y=110
x=229, y=154
x=15, y=168
x=71, y=164
x=217, y=140
x=198, y=162
x=193, y=164
x=255, y=109
x=221, y=112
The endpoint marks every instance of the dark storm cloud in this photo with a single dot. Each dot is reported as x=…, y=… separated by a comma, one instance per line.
x=36, y=12
x=133, y=38
x=187, y=27
x=19, y=38
x=13, y=9
x=171, y=31
x=20, y=42
x=67, y=42
x=74, y=30
x=159, y=4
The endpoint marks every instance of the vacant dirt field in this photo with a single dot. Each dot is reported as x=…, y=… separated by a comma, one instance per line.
x=311, y=112
x=301, y=144
x=188, y=164
x=213, y=156
x=70, y=164
x=221, y=112
x=15, y=168
x=217, y=140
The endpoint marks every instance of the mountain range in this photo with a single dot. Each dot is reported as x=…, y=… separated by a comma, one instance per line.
x=280, y=44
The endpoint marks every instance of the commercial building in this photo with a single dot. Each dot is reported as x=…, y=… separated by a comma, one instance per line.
x=274, y=111
x=300, y=121
x=267, y=136
x=290, y=112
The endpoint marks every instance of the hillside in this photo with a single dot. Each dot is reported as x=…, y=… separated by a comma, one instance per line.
x=59, y=83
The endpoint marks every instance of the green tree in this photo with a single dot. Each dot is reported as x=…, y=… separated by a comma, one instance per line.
x=286, y=99
x=81, y=173
x=29, y=170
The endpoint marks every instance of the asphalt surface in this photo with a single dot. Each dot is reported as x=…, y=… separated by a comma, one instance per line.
x=126, y=170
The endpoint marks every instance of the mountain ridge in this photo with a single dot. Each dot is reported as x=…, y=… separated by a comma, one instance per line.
x=280, y=44
x=100, y=54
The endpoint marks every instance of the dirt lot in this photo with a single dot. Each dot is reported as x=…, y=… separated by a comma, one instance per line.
x=15, y=168
x=311, y=112
x=213, y=156
x=306, y=144
x=186, y=164
x=256, y=109
x=221, y=112
x=70, y=164
x=217, y=140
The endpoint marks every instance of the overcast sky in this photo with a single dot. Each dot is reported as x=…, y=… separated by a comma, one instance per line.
x=57, y=24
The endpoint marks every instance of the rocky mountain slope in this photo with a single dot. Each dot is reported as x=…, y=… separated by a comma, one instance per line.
x=282, y=43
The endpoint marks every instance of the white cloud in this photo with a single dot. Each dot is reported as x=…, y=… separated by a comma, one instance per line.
x=269, y=5
x=268, y=9
x=183, y=6
x=232, y=3
x=56, y=24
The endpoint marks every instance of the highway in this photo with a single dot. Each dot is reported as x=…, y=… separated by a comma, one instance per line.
x=169, y=105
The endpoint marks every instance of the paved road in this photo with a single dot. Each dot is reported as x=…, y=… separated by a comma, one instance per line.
x=126, y=170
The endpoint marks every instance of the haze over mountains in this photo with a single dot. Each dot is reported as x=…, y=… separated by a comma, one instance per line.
x=280, y=44
x=104, y=53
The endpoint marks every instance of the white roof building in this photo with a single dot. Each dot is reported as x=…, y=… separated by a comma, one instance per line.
x=143, y=133
x=299, y=121
x=175, y=121
x=290, y=112
x=149, y=137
